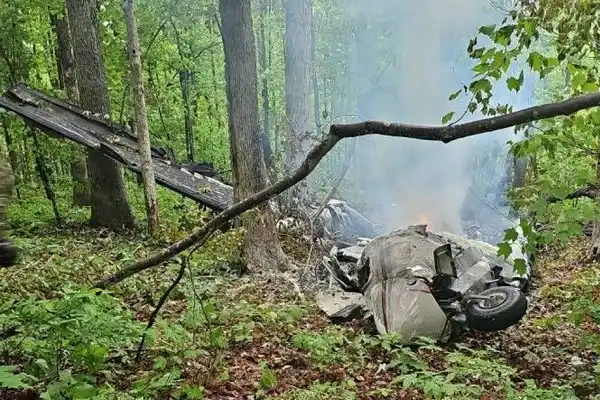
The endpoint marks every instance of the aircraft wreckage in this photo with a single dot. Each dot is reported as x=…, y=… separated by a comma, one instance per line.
x=412, y=281
x=63, y=120
x=419, y=283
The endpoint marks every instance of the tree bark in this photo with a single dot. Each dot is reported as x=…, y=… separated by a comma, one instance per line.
x=594, y=251
x=110, y=207
x=186, y=80
x=444, y=134
x=141, y=116
x=262, y=248
x=315, y=77
x=12, y=155
x=79, y=175
x=42, y=167
x=298, y=56
x=266, y=136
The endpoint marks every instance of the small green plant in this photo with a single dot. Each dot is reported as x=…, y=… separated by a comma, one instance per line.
x=10, y=379
x=268, y=379
x=437, y=385
x=323, y=348
x=69, y=339
x=345, y=390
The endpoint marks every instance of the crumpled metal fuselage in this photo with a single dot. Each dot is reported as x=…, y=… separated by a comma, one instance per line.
x=399, y=263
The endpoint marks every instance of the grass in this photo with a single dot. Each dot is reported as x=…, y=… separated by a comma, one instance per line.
x=225, y=336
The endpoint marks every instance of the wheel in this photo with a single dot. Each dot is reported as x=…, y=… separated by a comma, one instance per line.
x=504, y=307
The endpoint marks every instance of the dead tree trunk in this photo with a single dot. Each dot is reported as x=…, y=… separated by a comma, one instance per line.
x=262, y=248
x=141, y=117
x=298, y=55
x=79, y=175
x=110, y=207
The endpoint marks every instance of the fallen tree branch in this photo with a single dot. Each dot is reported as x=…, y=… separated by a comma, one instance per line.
x=337, y=132
x=589, y=191
x=161, y=303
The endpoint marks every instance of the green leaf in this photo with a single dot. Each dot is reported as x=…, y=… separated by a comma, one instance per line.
x=9, y=379
x=487, y=30
x=578, y=80
x=535, y=61
x=481, y=85
x=446, y=118
x=589, y=87
x=42, y=364
x=511, y=235
x=481, y=68
x=513, y=84
x=502, y=35
x=454, y=95
x=504, y=249
x=520, y=266
x=267, y=377
x=83, y=391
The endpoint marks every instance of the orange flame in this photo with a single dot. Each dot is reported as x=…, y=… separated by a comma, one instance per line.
x=424, y=220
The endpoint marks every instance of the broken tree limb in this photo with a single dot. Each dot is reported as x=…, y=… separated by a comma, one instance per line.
x=338, y=132
x=161, y=303
x=447, y=134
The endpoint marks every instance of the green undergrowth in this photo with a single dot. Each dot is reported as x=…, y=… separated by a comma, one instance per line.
x=222, y=336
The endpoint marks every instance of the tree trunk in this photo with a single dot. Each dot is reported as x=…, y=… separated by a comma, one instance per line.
x=315, y=78
x=141, y=117
x=266, y=137
x=41, y=165
x=12, y=155
x=110, y=207
x=594, y=251
x=298, y=55
x=186, y=80
x=79, y=175
x=262, y=248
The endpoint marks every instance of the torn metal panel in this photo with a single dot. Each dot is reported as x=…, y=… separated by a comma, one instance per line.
x=116, y=141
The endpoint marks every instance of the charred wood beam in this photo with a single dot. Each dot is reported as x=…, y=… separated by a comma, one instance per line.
x=338, y=132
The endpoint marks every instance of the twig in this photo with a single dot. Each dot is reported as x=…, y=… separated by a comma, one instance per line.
x=162, y=301
x=336, y=184
x=444, y=134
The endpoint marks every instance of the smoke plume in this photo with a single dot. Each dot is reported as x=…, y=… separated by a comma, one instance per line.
x=408, y=56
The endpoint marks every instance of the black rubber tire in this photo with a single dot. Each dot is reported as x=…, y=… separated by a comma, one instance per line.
x=500, y=317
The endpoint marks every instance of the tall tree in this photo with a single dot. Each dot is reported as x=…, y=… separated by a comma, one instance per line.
x=110, y=207
x=298, y=57
x=68, y=80
x=262, y=248
x=141, y=115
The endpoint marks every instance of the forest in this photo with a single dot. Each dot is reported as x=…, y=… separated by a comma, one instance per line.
x=183, y=171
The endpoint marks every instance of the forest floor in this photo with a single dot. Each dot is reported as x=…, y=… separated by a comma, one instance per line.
x=222, y=336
